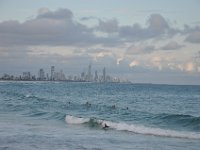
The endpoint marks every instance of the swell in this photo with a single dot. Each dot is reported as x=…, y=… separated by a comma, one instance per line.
x=41, y=107
x=46, y=115
x=138, y=129
x=180, y=120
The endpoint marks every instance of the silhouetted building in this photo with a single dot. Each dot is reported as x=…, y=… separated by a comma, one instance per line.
x=59, y=76
x=96, y=78
x=26, y=76
x=83, y=76
x=52, y=72
x=89, y=74
x=104, y=74
x=41, y=75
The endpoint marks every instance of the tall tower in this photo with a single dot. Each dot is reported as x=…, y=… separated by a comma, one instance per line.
x=96, y=76
x=89, y=75
x=41, y=74
x=104, y=74
x=52, y=72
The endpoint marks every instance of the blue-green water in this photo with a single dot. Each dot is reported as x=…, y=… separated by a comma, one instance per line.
x=64, y=115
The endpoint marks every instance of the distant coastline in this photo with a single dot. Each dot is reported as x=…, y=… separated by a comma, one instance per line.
x=54, y=75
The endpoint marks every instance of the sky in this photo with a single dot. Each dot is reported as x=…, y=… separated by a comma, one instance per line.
x=155, y=41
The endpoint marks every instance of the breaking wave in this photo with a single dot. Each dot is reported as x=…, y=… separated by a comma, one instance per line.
x=139, y=129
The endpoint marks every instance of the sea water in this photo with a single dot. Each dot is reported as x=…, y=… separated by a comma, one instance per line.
x=72, y=115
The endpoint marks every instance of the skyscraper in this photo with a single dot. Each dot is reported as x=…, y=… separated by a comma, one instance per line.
x=26, y=76
x=89, y=74
x=96, y=76
x=41, y=75
x=104, y=74
x=83, y=76
x=52, y=72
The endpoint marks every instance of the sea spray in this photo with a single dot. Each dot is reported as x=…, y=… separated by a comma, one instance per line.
x=139, y=129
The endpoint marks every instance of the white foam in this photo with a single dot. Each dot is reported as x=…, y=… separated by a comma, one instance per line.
x=139, y=129
x=75, y=120
x=28, y=95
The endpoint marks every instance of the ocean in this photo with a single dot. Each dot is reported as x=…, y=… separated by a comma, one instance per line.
x=98, y=116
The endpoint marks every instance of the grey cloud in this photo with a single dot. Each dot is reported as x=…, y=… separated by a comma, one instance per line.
x=134, y=32
x=188, y=29
x=58, y=14
x=109, y=26
x=88, y=18
x=192, y=33
x=136, y=50
x=157, y=26
x=96, y=50
x=172, y=46
x=50, y=28
x=58, y=27
x=193, y=37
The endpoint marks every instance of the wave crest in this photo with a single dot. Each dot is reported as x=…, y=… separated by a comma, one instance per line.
x=139, y=129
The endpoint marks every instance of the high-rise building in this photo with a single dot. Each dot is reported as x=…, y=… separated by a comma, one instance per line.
x=47, y=76
x=96, y=76
x=26, y=76
x=60, y=76
x=52, y=72
x=41, y=74
x=83, y=76
x=104, y=74
x=89, y=75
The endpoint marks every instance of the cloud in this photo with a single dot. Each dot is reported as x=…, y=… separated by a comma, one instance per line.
x=140, y=49
x=193, y=37
x=58, y=14
x=88, y=18
x=50, y=28
x=119, y=60
x=55, y=37
x=156, y=26
x=134, y=63
x=172, y=46
x=109, y=26
x=189, y=67
x=157, y=62
x=59, y=28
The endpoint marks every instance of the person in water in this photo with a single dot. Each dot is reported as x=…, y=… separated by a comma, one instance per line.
x=113, y=106
x=88, y=104
x=105, y=126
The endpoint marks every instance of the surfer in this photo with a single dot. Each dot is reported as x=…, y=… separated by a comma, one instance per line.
x=105, y=126
x=113, y=106
x=88, y=104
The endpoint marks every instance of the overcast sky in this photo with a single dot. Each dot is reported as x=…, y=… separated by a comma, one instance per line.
x=145, y=41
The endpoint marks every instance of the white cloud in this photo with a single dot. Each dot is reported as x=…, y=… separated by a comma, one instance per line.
x=189, y=67
x=156, y=62
x=134, y=63
x=119, y=60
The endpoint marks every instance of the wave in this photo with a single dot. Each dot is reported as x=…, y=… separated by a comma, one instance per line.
x=180, y=120
x=179, y=117
x=139, y=129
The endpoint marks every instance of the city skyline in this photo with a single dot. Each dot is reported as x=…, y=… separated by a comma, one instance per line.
x=146, y=42
x=55, y=75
